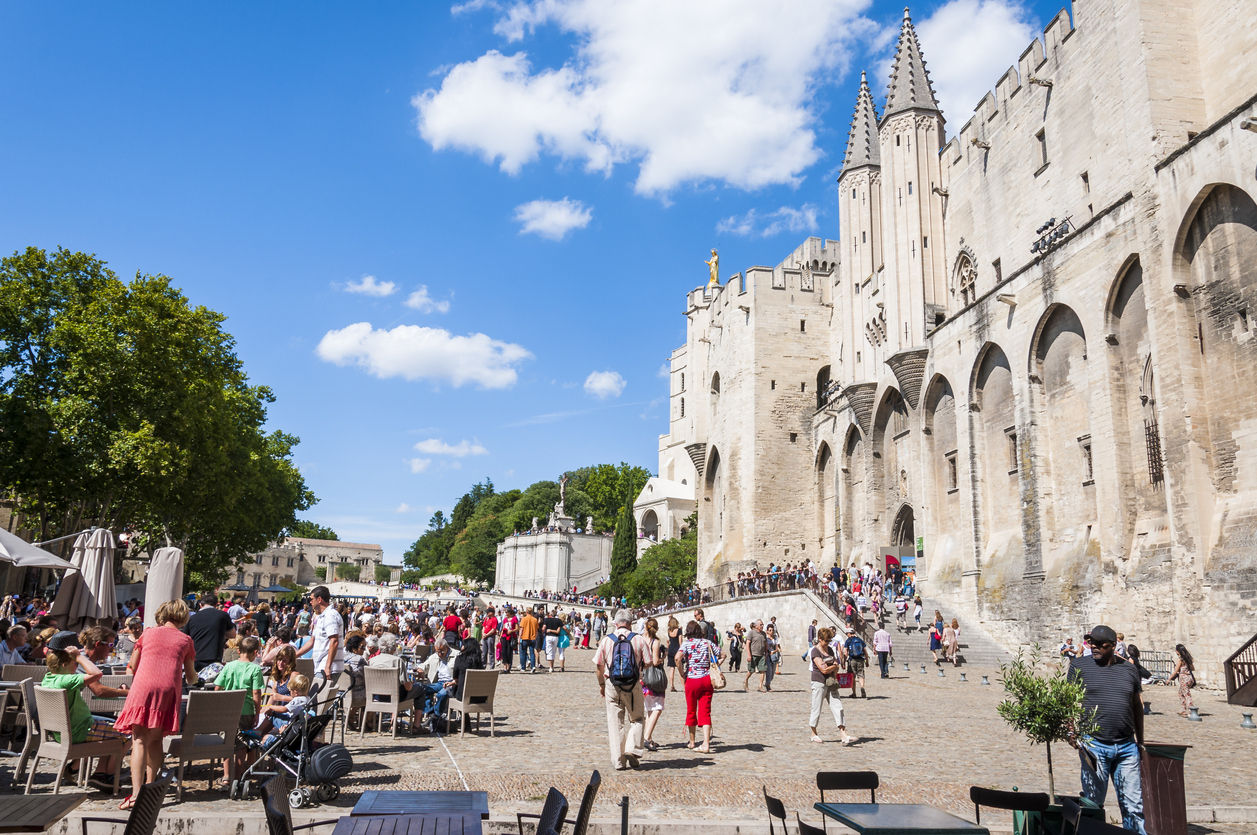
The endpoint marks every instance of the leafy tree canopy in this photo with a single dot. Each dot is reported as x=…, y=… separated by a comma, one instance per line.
x=309, y=530
x=666, y=568
x=121, y=405
x=348, y=571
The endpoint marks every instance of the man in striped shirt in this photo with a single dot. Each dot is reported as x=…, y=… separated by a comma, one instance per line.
x=1114, y=750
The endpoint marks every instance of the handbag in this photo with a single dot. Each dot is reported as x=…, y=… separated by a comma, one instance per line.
x=655, y=680
x=717, y=678
x=844, y=680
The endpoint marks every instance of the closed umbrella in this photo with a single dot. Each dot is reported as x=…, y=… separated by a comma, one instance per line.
x=164, y=582
x=18, y=551
x=87, y=594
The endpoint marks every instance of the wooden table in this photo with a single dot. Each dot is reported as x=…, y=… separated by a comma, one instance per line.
x=433, y=824
x=36, y=813
x=898, y=819
x=423, y=803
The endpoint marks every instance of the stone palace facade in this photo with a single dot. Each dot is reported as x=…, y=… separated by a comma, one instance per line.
x=1030, y=357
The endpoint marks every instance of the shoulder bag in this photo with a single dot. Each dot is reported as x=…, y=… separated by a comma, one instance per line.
x=655, y=679
x=713, y=672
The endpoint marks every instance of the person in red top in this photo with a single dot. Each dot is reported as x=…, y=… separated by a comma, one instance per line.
x=452, y=624
x=162, y=659
x=489, y=630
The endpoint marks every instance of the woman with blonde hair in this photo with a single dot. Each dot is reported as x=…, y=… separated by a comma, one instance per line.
x=951, y=642
x=39, y=644
x=674, y=644
x=823, y=662
x=162, y=660
x=654, y=701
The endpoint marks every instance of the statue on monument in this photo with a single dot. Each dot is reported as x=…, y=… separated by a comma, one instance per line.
x=563, y=480
x=589, y=524
x=534, y=523
x=713, y=267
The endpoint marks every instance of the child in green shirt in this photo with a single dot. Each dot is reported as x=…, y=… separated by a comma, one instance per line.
x=243, y=674
x=63, y=666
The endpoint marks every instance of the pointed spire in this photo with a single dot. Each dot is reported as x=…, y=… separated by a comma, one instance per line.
x=909, y=81
x=862, y=144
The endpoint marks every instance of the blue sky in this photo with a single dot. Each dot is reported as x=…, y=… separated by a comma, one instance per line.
x=455, y=240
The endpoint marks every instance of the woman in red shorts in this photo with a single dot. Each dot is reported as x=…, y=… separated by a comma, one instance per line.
x=161, y=661
x=697, y=656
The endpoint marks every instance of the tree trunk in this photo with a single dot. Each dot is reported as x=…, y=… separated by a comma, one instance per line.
x=1051, y=781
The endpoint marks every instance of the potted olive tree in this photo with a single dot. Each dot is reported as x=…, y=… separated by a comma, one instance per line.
x=1043, y=703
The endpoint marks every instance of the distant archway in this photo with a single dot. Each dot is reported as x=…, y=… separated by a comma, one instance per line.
x=650, y=525
x=904, y=532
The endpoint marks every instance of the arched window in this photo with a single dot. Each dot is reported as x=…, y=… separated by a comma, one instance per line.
x=682, y=381
x=715, y=390
x=682, y=407
x=966, y=280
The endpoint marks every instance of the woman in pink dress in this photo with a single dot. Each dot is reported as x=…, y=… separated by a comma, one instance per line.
x=162, y=659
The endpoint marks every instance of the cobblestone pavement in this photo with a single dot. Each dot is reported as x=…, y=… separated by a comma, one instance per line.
x=929, y=738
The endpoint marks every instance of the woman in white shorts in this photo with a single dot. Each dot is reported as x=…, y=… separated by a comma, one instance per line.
x=654, y=703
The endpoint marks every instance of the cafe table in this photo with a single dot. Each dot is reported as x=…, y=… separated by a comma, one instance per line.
x=898, y=819
x=36, y=813
x=471, y=804
x=435, y=823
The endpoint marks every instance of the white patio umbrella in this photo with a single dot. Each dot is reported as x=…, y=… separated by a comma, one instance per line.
x=164, y=582
x=18, y=551
x=87, y=593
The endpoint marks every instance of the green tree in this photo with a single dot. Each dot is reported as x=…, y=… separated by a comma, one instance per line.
x=321, y=572
x=383, y=573
x=348, y=571
x=606, y=485
x=306, y=529
x=666, y=568
x=1045, y=706
x=475, y=550
x=122, y=405
x=623, y=549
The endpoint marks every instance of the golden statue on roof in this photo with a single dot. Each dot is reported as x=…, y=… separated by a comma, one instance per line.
x=713, y=266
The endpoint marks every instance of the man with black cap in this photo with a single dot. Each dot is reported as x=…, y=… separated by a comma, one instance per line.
x=1113, y=751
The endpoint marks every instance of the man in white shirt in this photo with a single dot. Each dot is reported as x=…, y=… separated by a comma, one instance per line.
x=327, y=636
x=439, y=670
x=626, y=708
x=236, y=611
x=15, y=640
x=882, y=646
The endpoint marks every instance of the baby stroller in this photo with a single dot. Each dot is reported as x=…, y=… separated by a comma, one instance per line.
x=296, y=753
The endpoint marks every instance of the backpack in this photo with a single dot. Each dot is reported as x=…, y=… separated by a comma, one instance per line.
x=624, y=670
x=855, y=646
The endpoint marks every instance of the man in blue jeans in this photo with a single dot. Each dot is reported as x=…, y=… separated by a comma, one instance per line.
x=1113, y=751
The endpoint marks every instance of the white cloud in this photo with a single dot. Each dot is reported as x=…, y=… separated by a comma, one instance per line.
x=435, y=446
x=369, y=286
x=421, y=301
x=604, y=384
x=968, y=45
x=418, y=465
x=402, y=508
x=698, y=91
x=785, y=219
x=552, y=219
x=665, y=371
x=417, y=353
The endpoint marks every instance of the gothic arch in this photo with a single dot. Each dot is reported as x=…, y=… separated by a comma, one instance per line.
x=964, y=277
x=994, y=439
x=853, y=501
x=827, y=502
x=1056, y=321
x=1113, y=302
x=903, y=531
x=990, y=356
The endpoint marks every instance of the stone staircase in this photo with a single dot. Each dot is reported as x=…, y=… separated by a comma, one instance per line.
x=977, y=647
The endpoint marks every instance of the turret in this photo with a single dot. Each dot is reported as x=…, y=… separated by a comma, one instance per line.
x=860, y=232
x=911, y=134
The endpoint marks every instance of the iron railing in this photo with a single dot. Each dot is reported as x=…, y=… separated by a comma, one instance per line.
x=1241, y=667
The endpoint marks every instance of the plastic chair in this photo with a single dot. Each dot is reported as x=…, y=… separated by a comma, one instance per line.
x=279, y=811
x=305, y=666
x=581, y=825
x=209, y=732
x=776, y=809
x=146, y=808
x=1070, y=813
x=382, y=698
x=108, y=706
x=53, y=706
x=807, y=828
x=21, y=672
x=1012, y=801
x=1091, y=826
x=848, y=781
x=26, y=717
x=478, y=690
x=552, y=814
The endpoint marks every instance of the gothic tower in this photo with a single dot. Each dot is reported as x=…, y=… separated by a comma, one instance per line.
x=860, y=231
x=911, y=136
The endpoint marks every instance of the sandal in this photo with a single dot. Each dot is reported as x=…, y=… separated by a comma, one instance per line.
x=816, y=738
x=127, y=803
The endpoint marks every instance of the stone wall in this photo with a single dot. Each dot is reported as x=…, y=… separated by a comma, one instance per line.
x=552, y=561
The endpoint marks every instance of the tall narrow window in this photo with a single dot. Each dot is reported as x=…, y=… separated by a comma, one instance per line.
x=1086, y=183
x=682, y=407
x=999, y=272
x=1041, y=139
x=803, y=326
x=953, y=474
x=1011, y=436
x=682, y=381
x=1088, y=473
x=909, y=187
